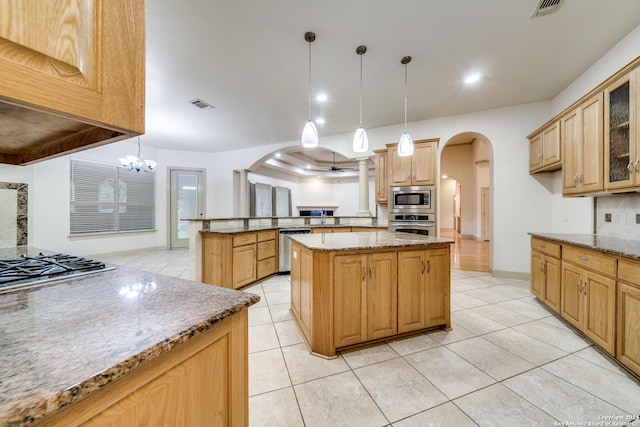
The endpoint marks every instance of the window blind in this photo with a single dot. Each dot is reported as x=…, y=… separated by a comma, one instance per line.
x=107, y=198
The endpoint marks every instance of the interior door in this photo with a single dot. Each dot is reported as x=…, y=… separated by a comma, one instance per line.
x=186, y=200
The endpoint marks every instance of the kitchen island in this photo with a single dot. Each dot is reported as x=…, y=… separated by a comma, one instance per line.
x=126, y=346
x=348, y=289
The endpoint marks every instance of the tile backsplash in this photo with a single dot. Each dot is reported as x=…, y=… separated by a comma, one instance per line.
x=618, y=216
x=14, y=201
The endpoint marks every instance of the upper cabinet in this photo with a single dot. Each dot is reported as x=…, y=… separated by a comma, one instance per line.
x=73, y=76
x=382, y=183
x=583, y=148
x=417, y=169
x=622, y=168
x=545, y=150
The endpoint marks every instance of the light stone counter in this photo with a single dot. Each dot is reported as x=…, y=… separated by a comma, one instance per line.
x=365, y=240
x=67, y=339
x=610, y=245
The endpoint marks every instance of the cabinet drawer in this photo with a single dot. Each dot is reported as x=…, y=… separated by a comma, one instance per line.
x=244, y=239
x=266, y=267
x=552, y=249
x=266, y=249
x=266, y=235
x=629, y=271
x=589, y=259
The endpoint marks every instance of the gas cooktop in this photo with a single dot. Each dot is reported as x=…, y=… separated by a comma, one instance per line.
x=26, y=269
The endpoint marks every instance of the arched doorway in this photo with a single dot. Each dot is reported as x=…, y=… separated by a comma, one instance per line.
x=465, y=199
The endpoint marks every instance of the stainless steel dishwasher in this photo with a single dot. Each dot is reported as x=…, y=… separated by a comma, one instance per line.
x=284, y=244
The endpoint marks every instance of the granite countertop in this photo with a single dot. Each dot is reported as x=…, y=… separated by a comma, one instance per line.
x=610, y=245
x=66, y=339
x=365, y=240
x=248, y=228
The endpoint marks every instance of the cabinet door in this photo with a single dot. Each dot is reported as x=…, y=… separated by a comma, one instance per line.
x=551, y=153
x=600, y=303
x=535, y=152
x=306, y=292
x=537, y=275
x=244, y=265
x=619, y=136
x=571, y=301
x=382, y=295
x=349, y=276
x=553, y=278
x=411, y=290
x=296, y=278
x=399, y=168
x=591, y=169
x=424, y=164
x=81, y=59
x=382, y=183
x=437, y=287
x=572, y=152
x=628, y=327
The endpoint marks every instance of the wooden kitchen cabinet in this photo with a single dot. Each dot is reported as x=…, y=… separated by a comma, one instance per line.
x=621, y=146
x=423, y=300
x=73, y=76
x=267, y=247
x=588, y=296
x=544, y=149
x=418, y=169
x=235, y=260
x=583, y=148
x=365, y=292
x=546, y=274
x=382, y=176
x=203, y=381
x=628, y=314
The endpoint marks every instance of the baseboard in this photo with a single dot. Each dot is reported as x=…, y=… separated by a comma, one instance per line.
x=510, y=274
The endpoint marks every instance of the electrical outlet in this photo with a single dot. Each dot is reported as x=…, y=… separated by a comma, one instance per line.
x=637, y=218
x=607, y=217
x=622, y=219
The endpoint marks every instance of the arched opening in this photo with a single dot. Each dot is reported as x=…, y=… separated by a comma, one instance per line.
x=465, y=199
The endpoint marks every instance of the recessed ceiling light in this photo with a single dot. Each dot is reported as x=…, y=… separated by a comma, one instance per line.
x=319, y=120
x=322, y=97
x=472, y=78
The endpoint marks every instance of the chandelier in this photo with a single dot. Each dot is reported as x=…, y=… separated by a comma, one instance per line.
x=137, y=163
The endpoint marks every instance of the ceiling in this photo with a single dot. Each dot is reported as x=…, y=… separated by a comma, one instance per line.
x=249, y=60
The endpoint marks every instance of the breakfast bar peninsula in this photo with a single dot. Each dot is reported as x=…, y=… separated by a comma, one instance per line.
x=348, y=289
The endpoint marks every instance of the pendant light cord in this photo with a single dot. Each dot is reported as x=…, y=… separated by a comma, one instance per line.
x=405, y=97
x=309, y=85
x=360, y=90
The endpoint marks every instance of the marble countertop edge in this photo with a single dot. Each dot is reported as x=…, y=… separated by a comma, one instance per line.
x=616, y=246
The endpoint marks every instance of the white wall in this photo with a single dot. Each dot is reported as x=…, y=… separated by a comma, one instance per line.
x=447, y=192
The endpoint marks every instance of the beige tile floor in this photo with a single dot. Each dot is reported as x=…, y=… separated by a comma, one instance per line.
x=507, y=362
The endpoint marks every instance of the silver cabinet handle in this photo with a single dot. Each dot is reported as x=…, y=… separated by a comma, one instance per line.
x=364, y=273
x=428, y=266
x=584, y=288
x=422, y=267
x=629, y=166
x=580, y=285
x=540, y=267
x=635, y=165
x=371, y=272
x=575, y=179
x=583, y=258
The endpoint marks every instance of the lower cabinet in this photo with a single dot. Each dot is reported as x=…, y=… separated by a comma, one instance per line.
x=239, y=259
x=628, y=310
x=203, y=382
x=546, y=272
x=423, y=299
x=365, y=292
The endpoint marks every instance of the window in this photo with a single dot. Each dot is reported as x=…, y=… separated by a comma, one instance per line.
x=107, y=198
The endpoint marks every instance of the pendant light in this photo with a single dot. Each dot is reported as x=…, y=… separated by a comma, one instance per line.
x=309, y=132
x=360, y=140
x=405, y=146
x=137, y=162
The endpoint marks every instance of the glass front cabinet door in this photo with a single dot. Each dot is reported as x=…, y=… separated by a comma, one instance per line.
x=622, y=153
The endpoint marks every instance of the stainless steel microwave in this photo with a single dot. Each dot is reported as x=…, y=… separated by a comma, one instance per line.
x=415, y=199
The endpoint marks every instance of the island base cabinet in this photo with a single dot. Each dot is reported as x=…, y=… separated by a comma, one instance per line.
x=423, y=289
x=628, y=336
x=203, y=382
x=365, y=288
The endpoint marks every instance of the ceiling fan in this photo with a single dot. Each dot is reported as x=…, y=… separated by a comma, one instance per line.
x=336, y=169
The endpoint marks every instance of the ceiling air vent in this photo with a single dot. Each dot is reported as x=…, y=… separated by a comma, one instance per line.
x=200, y=103
x=546, y=7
